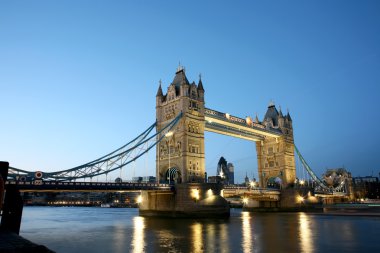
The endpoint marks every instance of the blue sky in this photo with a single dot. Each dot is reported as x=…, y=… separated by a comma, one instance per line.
x=78, y=78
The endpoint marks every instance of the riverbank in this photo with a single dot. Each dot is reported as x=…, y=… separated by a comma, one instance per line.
x=352, y=209
x=12, y=243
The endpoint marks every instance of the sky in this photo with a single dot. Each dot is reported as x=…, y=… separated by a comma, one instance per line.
x=78, y=79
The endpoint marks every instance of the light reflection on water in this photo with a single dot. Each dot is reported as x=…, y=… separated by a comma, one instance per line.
x=122, y=230
x=305, y=233
x=246, y=232
x=197, y=231
x=138, y=240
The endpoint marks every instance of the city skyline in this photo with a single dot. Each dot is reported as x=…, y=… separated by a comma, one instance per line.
x=79, y=79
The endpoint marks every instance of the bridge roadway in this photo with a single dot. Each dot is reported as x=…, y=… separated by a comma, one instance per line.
x=223, y=123
x=56, y=186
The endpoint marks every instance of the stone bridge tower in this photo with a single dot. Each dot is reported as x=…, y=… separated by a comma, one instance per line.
x=275, y=156
x=180, y=156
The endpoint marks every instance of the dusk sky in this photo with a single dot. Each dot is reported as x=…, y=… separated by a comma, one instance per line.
x=78, y=79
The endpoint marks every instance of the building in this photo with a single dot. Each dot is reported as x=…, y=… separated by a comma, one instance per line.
x=275, y=156
x=367, y=187
x=225, y=171
x=149, y=179
x=222, y=171
x=231, y=173
x=180, y=157
x=137, y=179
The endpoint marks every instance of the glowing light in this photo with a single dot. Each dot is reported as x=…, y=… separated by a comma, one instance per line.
x=245, y=201
x=222, y=193
x=300, y=199
x=252, y=184
x=195, y=194
x=139, y=199
x=168, y=134
x=302, y=182
x=248, y=120
x=209, y=193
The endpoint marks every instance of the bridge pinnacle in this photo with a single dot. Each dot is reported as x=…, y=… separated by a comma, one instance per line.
x=159, y=91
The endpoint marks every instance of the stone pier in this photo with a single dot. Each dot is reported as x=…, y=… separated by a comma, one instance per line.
x=198, y=200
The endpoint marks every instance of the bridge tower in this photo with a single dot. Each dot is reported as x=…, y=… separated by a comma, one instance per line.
x=275, y=155
x=180, y=156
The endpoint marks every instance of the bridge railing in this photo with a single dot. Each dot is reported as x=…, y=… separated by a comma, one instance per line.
x=35, y=185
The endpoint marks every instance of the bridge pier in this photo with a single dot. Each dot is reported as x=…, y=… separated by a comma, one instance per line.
x=200, y=200
x=13, y=205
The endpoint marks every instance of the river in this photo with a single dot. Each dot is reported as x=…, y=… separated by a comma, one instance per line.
x=92, y=229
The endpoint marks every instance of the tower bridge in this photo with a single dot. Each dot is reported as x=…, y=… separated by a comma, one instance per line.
x=184, y=148
x=181, y=120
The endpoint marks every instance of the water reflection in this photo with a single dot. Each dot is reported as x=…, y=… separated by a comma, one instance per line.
x=197, y=237
x=119, y=238
x=138, y=240
x=96, y=230
x=246, y=232
x=223, y=238
x=305, y=233
x=210, y=236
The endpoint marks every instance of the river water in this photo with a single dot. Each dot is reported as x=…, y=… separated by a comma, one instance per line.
x=92, y=229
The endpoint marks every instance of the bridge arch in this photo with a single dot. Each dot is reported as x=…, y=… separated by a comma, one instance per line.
x=274, y=182
x=173, y=175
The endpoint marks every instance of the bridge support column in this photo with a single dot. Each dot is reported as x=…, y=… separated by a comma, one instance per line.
x=276, y=163
x=200, y=200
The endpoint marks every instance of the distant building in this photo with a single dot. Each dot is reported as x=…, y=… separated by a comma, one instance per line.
x=225, y=171
x=246, y=180
x=231, y=173
x=146, y=179
x=137, y=179
x=149, y=179
x=214, y=179
x=367, y=187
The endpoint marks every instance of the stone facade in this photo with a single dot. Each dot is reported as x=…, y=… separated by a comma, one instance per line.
x=180, y=157
x=275, y=156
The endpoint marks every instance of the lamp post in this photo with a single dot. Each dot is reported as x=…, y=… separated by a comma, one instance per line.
x=167, y=135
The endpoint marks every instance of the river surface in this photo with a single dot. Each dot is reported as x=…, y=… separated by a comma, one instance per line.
x=92, y=229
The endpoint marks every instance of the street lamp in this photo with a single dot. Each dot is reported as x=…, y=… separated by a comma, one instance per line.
x=167, y=135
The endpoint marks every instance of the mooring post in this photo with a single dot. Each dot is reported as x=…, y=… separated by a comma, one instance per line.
x=13, y=204
x=3, y=177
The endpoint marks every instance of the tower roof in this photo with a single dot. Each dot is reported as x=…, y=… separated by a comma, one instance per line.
x=272, y=114
x=180, y=77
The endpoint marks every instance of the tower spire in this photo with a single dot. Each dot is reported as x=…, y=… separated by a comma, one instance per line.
x=200, y=84
x=280, y=112
x=159, y=91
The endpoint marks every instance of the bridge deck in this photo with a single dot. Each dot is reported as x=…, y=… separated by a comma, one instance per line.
x=226, y=124
x=53, y=186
